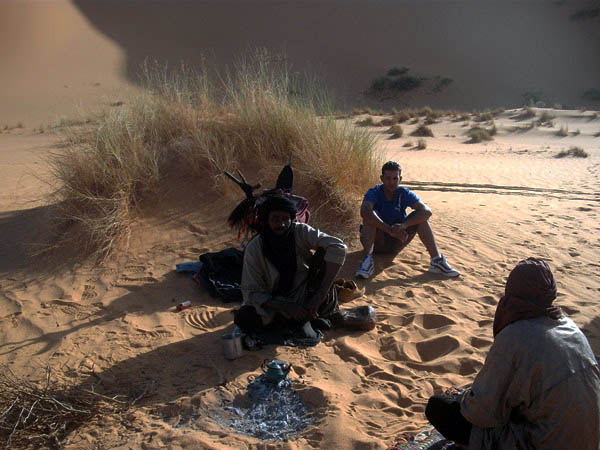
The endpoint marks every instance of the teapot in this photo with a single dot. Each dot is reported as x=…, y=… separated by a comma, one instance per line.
x=276, y=370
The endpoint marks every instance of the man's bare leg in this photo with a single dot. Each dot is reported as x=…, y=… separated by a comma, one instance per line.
x=427, y=238
x=367, y=239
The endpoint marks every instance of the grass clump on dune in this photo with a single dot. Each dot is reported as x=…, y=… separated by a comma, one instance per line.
x=422, y=130
x=574, y=152
x=395, y=131
x=479, y=134
x=188, y=123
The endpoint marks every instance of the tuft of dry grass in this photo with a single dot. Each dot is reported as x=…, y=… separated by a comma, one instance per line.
x=563, y=132
x=479, y=134
x=421, y=144
x=526, y=113
x=188, y=122
x=574, y=152
x=407, y=144
x=395, y=131
x=546, y=118
x=42, y=413
x=422, y=130
x=597, y=134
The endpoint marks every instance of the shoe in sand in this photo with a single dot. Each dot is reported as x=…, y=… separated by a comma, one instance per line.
x=347, y=290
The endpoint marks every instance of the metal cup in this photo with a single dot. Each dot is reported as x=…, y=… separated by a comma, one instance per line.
x=232, y=345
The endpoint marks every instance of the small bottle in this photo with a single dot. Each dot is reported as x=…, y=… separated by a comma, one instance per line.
x=184, y=305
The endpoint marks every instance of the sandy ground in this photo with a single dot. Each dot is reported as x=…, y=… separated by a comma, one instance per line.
x=494, y=203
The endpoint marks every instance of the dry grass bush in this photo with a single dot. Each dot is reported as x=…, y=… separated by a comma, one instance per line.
x=421, y=144
x=422, y=130
x=388, y=122
x=42, y=413
x=563, y=132
x=574, y=152
x=597, y=134
x=484, y=116
x=526, y=113
x=546, y=118
x=479, y=134
x=190, y=122
x=395, y=131
x=402, y=116
x=577, y=132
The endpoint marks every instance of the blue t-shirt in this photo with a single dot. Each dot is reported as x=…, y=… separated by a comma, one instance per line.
x=394, y=210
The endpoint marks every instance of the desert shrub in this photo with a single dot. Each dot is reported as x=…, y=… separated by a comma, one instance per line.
x=396, y=131
x=532, y=97
x=484, y=116
x=545, y=118
x=380, y=84
x=478, y=134
x=421, y=144
x=189, y=122
x=574, y=152
x=388, y=122
x=563, y=131
x=526, y=113
x=441, y=84
x=397, y=71
x=367, y=122
x=402, y=116
x=592, y=94
x=422, y=130
x=577, y=132
x=404, y=83
x=597, y=134
x=586, y=13
x=407, y=144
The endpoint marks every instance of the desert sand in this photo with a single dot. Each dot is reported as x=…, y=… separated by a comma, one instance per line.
x=494, y=204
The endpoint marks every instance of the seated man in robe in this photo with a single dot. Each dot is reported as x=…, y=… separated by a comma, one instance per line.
x=539, y=387
x=282, y=281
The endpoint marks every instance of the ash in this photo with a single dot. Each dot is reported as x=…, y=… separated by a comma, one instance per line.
x=276, y=412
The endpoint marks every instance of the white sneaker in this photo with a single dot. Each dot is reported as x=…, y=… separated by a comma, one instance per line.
x=440, y=265
x=367, y=267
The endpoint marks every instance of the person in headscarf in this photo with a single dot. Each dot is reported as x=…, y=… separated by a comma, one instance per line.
x=539, y=387
x=282, y=278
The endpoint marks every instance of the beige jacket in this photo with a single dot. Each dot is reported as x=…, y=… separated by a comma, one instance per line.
x=260, y=277
x=538, y=389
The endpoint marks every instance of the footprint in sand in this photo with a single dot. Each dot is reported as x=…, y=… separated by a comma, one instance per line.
x=431, y=349
x=207, y=320
x=433, y=321
x=480, y=342
x=158, y=332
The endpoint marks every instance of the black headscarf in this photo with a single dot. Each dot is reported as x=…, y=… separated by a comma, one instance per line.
x=280, y=250
x=529, y=293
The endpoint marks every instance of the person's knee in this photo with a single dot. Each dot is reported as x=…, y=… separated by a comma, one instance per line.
x=247, y=318
x=432, y=407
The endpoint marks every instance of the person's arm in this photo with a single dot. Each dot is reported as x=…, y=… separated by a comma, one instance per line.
x=331, y=271
x=371, y=218
x=420, y=214
x=500, y=385
x=335, y=254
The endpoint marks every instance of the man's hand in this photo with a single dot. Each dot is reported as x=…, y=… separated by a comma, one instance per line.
x=398, y=232
x=315, y=302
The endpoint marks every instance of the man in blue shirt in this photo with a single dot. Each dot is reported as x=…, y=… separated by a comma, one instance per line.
x=387, y=228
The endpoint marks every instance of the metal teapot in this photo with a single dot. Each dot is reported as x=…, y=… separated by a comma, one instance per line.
x=276, y=370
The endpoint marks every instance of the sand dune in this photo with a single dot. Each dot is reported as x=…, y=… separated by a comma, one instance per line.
x=494, y=203
x=58, y=54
